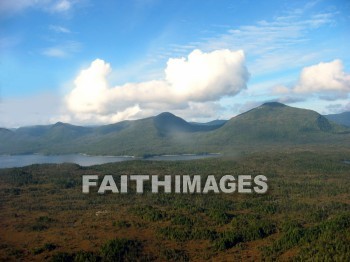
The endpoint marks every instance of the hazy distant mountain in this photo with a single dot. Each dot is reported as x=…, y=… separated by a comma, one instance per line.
x=341, y=119
x=268, y=124
x=59, y=130
x=211, y=123
x=5, y=135
x=5, y=131
x=167, y=123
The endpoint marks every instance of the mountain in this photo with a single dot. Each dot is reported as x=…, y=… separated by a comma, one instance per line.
x=106, y=129
x=272, y=124
x=216, y=123
x=35, y=131
x=5, y=135
x=65, y=132
x=167, y=123
x=5, y=131
x=41, y=138
x=57, y=131
x=341, y=119
x=161, y=134
x=275, y=122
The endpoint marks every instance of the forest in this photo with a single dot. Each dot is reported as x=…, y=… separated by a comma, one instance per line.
x=305, y=214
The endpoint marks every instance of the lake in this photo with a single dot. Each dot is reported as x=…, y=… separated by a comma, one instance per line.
x=7, y=161
x=181, y=157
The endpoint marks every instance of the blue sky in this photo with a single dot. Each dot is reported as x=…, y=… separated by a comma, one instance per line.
x=134, y=54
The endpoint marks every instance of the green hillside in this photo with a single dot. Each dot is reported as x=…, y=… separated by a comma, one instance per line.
x=275, y=123
x=162, y=134
x=271, y=124
x=137, y=136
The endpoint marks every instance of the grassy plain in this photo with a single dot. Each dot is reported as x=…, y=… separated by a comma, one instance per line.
x=304, y=216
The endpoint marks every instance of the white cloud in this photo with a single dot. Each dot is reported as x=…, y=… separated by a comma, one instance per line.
x=273, y=45
x=59, y=29
x=130, y=113
x=326, y=80
x=54, y=52
x=191, y=111
x=245, y=106
x=344, y=106
x=324, y=77
x=61, y=6
x=16, y=6
x=9, y=7
x=188, y=82
x=31, y=110
x=207, y=76
x=62, y=50
x=281, y=89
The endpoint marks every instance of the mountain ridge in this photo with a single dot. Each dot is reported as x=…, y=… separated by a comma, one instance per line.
x=276, y=122
x=341, y=118
x=269, y=124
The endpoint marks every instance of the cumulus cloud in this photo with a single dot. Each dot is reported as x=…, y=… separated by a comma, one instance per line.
x=207, y=76
x=326, y=80
x=188, y=82
x=324, y=77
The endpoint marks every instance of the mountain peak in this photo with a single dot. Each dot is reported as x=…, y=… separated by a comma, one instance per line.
x=167, y=123
x=273, y=104
x=166, y=115
x=60, y=124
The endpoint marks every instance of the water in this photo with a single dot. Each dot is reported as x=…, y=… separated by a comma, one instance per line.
x=180, y=157
x=83, y=160
x=346, y=161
